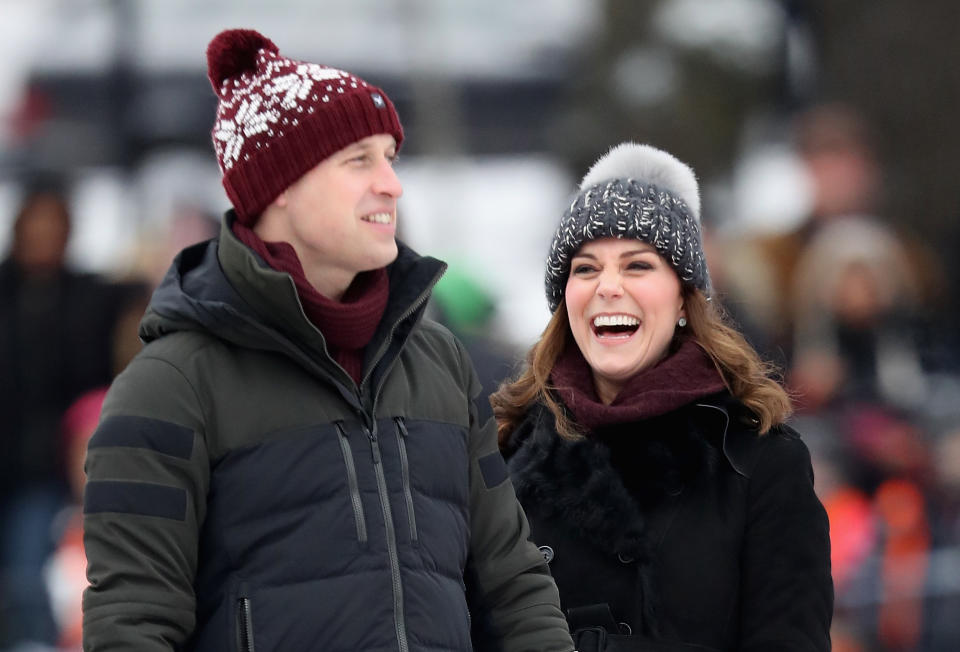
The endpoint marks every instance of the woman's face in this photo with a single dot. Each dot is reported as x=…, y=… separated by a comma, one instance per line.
x=623, y=301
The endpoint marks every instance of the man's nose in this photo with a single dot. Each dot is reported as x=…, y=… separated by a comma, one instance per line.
x=387, y=182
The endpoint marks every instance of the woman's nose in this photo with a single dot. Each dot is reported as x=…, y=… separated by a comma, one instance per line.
x=609, y=285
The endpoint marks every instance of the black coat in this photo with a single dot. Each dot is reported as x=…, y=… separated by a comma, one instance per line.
x=688, y=529
x=56, y=342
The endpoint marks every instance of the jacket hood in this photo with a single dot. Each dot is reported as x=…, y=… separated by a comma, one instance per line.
x=196, y=295
x=223, y=288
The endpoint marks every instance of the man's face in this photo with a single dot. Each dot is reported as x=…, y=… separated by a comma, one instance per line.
x=340, y=217
x=40, y=241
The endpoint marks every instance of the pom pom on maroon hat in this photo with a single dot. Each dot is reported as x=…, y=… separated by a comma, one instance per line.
x=277, y=118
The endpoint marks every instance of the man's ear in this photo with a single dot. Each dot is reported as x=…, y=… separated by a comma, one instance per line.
x=281, y=200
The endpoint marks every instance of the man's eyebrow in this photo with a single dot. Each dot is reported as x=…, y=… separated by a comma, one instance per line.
x=366, y=148
x=358, y=147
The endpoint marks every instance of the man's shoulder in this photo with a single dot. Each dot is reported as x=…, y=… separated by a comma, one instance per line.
x=188, y=354
x=181, y=345
x=432, y=328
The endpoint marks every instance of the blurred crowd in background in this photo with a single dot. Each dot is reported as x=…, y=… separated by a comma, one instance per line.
x=826, y=143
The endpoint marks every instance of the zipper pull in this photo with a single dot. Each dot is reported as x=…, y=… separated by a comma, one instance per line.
x=374, y=444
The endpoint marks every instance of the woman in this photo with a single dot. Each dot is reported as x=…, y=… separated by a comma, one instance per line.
x=647, y=442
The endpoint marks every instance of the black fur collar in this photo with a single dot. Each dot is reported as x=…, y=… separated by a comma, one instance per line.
x=604, y=487
x=574, y=480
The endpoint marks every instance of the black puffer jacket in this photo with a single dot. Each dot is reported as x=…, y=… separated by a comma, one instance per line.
x=682, y=532
x=245, y=494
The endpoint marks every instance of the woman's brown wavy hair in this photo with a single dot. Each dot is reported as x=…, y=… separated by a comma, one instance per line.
x=749, y=378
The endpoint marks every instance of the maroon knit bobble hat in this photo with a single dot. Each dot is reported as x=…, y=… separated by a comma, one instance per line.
x=277, y=118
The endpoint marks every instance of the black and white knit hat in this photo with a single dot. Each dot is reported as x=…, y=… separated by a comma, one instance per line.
x=638, y=192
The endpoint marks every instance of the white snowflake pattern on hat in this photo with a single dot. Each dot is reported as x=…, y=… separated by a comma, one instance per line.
x=248, y=121
x=293, y=87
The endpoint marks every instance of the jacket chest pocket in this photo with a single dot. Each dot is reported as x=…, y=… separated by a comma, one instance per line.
x=427, y=470
x=307, y=483
x=404, y=458
x=353, y=484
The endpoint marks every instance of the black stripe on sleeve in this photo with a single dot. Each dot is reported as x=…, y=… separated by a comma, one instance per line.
x=135, y=498
x=142, y=432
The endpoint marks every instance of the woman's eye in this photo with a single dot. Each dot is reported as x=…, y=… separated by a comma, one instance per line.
x=582, y=269
x=640, y=265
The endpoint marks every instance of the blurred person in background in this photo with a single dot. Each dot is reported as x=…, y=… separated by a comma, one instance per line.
x=297, y=459
x=467, y=308
x=857, y=331
x=186, y=225
x=843, y=176
x=65, y=570
x=57, y=329
x=858, y=374
x=942, y=627
x=647, y=441
x=853, y=538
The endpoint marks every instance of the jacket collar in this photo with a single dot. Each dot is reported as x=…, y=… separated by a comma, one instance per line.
x=720, y=417
x=576, y=479
x=274, y=295
x=222, y=287
x=724, y=416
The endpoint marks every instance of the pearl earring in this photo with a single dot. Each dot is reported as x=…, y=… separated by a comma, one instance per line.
x=682, y=322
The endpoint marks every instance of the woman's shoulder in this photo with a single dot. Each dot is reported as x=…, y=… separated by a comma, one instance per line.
x=750, y=451
x=757, y=456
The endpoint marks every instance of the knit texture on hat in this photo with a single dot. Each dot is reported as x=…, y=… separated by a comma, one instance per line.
x=638, y=192
x=277, y=118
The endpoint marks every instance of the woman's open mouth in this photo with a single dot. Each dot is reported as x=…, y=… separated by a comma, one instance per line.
x=614, y=326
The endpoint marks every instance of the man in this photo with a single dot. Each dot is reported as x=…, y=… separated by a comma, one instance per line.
x=297, y=460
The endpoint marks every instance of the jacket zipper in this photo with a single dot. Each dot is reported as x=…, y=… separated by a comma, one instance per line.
x=245, y=615
x=420, y=300
x=405, y=475
x=391, y=540
x=353, y=484
x=371, y=430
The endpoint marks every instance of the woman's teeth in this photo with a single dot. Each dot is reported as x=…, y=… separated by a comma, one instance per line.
x=615, y=326
x=615, y=320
